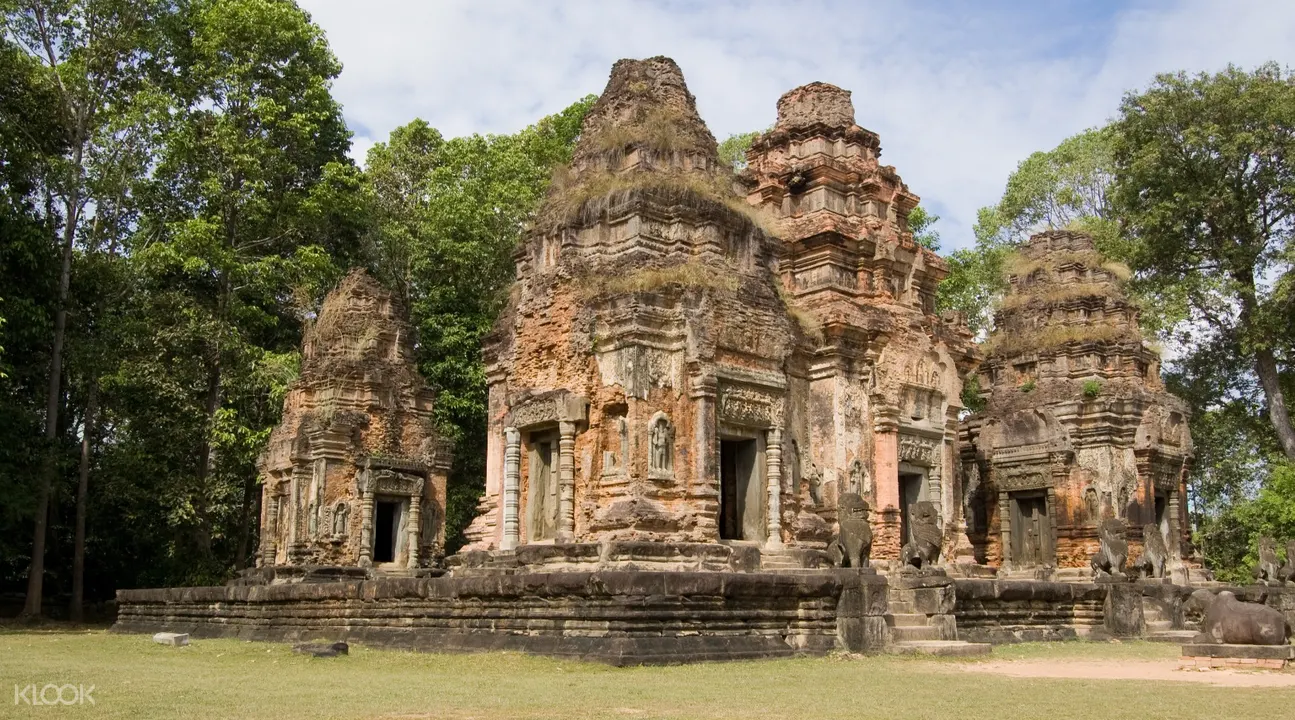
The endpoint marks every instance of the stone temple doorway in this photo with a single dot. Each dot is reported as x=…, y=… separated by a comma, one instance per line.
x=542, y=497
x=741, y=506
x=388, y=529
x=1162, y=513
x=1031, y=529
x=912, y=490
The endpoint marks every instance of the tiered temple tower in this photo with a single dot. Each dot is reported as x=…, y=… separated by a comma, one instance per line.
x=1077, y=426
x=885, y=374
x=639, y=376
x=355, y=473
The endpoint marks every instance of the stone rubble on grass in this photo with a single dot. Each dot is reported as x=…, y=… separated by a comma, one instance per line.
x=172, y=639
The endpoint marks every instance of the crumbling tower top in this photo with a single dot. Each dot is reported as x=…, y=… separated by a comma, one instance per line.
x=645, y=106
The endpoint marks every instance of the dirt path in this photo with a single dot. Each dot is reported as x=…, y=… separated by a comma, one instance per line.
x=1126, y=670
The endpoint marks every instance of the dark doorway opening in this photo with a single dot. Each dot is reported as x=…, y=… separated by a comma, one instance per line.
x=386, y=522
x=1031, y=530
x=910, y=493
x=739, y=505
x=1162, y=514
x=542, y=500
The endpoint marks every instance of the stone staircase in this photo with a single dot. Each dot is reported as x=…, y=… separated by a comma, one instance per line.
x=792, y=559
x=1161, y=628
x=920, y=618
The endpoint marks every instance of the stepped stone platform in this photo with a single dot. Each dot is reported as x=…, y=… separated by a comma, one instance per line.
x=617, y=617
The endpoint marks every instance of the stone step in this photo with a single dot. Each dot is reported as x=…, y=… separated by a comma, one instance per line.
x=903, y=633
x=900, y=607
x=906, y=620
x=1179, y=637
x=943, y=648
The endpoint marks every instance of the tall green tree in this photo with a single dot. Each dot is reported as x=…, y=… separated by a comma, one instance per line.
x=448, y=215
x=30, y=140
x=1205, y=185
x=93, y=51
x=230, y=253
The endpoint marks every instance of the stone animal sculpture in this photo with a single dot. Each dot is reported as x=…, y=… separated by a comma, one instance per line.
x=1268, y=570
x=1114, y=551
x=1288, y=570
x=1154, y=553
x=853, y=544
x=1232, y=622
x=924, y=547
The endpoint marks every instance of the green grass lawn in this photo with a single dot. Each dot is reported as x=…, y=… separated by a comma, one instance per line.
x=135, y=678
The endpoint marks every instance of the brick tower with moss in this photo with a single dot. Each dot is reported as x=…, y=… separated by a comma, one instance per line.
x=1076, y=425
x=639, y=374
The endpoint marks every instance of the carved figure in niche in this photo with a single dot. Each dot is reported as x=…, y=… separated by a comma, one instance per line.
x=1113, y=554
x=970, y=490
x=853, y=542
x=1154, y=553
x=856, y=479
x=1267, y=570
x=1092, y=504
x=1230, y=621
x=661, y=445
x=924, y=549
x=814, y=485
x=1288, y=570
x=316, y=507
x=341, y=516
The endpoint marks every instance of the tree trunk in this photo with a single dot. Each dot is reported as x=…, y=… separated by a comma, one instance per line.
x=88, y=430
x=204, y=461
x=1269, y=379
x=1265, y=362
x=36, y=571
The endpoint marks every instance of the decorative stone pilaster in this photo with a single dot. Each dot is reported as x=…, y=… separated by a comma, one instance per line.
x=1005, y=528
x=1174, y=536
x=366, y=483
x=270, y=534
x=773, y=476
x=413, y=529
x=1051, y=539
x=512, y=482
x=566, y=481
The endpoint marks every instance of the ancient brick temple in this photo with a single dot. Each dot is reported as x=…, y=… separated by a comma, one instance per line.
x=355, y=474
x=691, y=359
x=1077, y=426
x=884, y=374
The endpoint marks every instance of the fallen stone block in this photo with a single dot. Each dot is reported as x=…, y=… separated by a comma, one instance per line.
x=322, y=650
x=172, y=639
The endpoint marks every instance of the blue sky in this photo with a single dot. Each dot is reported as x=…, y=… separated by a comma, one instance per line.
x=960, y=92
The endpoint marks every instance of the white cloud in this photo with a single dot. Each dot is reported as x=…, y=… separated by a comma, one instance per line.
x=958, y=96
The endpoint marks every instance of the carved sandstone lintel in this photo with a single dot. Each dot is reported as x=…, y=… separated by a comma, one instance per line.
x=746, y=406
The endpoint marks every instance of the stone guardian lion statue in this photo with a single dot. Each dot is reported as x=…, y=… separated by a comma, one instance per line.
x=1268, y=570
x=1154, y=553
x=923, y=549
x=853, y=543
x=1113, y=554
